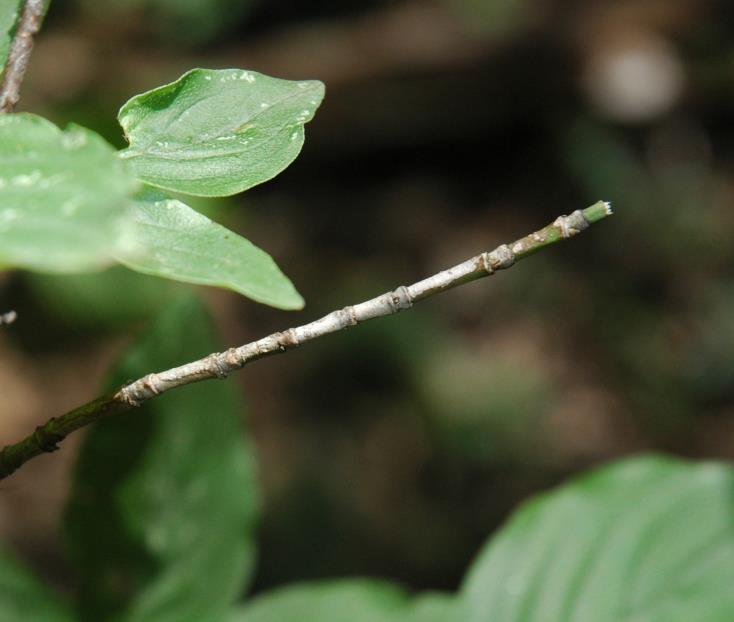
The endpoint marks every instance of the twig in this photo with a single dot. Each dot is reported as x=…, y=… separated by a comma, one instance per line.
x=221, y=364
x=21, y=47
x=8, y=317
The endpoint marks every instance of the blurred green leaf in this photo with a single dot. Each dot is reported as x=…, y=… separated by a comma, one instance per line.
x=217, y=132
x=432, y=607
x=708, y=362
x=644, y=539
x=657, y=192
x=8, y=17
x=100, y=300
x=495, y=17
x=486, y=405
x=174, y=241
x=603, y=162
x=63, y=196
x=160, y=520
x=355, y=600
x=24, y=597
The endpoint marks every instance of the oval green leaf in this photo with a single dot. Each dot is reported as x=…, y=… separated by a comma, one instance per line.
x=174, y=241
x=106, y=301
x=355, y=600
x=217, y=132
x=647, y=539
x=161, y=515
x=63, y=196
x=25, y=597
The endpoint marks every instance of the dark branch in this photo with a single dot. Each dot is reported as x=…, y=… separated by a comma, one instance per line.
x=21, y=47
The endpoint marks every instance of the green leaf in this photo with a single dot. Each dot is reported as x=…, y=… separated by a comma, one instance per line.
x=217, y=132
x=9, y=12
x=107, y=300
x=432, y=607
x=499, y=18
x=647, y=539
x=355, y=600
x=63, y=196
x=174, y=241
x=24, y=597
x=160, y=520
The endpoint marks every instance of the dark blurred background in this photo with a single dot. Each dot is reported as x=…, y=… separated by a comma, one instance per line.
x=396, y=448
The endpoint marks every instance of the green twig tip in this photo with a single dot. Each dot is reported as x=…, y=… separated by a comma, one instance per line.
x=600, y=209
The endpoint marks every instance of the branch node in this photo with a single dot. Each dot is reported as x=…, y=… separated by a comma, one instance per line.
x=348, y=315
x=286, y=339
x=125, y=396
x=218, y=362
x=400, y=299
x=224, y=363
x=572, y=224
x=500, y=258
x=150, y=382
x=46, y=441
x=232, y=358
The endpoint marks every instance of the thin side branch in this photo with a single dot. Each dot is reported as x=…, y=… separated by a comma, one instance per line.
x=221, y=364
x=21, y=47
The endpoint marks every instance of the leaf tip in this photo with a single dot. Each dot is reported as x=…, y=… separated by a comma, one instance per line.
x=293, y=302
